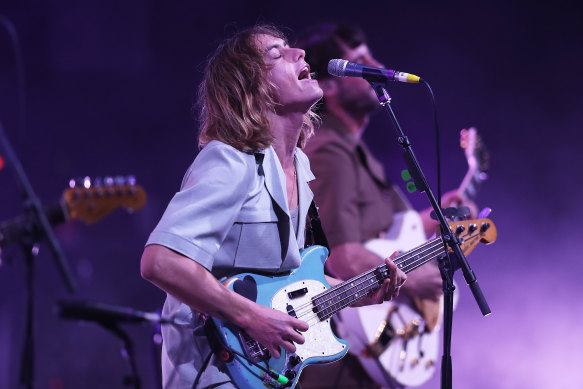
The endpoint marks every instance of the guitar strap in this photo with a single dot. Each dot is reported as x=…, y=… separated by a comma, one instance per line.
x=314, y=231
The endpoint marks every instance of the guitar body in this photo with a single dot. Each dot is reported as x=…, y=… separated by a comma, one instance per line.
x=304, y=293
x=321, y=345
x=393, y=334
x=392, y=343
x=405, y=233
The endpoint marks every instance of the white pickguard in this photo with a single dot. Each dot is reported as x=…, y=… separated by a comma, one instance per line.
x=319, y=340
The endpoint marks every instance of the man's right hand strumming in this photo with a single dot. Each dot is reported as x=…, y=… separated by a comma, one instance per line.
x=274, y=329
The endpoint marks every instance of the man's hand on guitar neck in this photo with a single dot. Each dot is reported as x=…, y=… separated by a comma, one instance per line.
x=350, y=259
x=390, y=287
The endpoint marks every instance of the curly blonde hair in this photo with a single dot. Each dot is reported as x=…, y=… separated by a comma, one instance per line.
x=235, y=95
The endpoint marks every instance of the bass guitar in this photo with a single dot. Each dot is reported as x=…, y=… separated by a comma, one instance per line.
x=304, y=293
x=397, y=342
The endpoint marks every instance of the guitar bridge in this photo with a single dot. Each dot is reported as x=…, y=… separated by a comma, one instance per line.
x=253, y=349
x=385, y=333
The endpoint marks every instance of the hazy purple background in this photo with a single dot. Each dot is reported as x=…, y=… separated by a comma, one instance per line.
x=109, y=91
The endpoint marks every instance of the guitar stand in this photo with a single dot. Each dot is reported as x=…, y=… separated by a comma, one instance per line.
x=458, y=260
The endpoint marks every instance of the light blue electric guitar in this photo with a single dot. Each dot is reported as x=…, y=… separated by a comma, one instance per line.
x=304, y=293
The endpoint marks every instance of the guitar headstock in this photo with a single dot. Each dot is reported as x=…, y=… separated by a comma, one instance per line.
x=472, y=232
x=475, y=150
x=91, y=201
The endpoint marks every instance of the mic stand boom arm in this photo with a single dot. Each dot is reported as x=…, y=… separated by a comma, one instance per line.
x=452, y=262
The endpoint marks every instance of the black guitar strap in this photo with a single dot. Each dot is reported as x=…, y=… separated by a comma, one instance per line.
x=314, y=231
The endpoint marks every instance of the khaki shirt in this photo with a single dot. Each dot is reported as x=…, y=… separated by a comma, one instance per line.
x=356, y=201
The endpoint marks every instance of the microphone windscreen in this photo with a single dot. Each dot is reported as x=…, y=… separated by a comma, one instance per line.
x=336, y=67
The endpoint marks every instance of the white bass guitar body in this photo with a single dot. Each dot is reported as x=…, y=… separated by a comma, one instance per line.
x=392, y=340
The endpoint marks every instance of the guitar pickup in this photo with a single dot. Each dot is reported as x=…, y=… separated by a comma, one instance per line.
x=291, y=311
x=297, y=293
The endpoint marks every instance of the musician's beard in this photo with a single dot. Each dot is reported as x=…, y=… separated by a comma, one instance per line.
x=358, y=103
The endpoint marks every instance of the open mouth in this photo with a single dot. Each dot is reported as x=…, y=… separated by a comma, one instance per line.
x=305, y=73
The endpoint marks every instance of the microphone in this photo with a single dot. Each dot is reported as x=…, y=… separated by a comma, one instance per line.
x=343, y=68
x=106, y=314
x=12, y=230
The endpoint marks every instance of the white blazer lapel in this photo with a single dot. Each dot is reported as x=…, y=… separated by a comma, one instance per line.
x=275, y=179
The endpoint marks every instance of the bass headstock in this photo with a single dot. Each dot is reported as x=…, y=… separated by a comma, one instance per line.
x=472, y=232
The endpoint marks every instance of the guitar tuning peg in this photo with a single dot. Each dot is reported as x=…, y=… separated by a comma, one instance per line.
x=119, y=180
x=86, y=182
x=484, y=213
x=79, y=182
x=98, y=181
x=72, y=183
x=108, y=181
x=131, y=180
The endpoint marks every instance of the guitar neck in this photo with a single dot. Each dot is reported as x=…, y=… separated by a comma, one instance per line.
x=342, y=295
x=477, y=157
x=471, y=184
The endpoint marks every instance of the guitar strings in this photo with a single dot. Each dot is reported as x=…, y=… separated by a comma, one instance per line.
x=365, y=281
x=404, y=262
x=367, y=276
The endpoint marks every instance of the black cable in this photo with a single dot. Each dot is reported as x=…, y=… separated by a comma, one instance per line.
x=276, y=376
x=437, y=148
x=202, y=369
x=216, y=385
x=21, y=90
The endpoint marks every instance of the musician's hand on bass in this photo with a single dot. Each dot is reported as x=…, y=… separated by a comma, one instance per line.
x=275, y=329
x=390, y=287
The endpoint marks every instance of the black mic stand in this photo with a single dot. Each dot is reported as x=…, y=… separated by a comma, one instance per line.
x=37, y=229
x=127, y=352
x=452, y=261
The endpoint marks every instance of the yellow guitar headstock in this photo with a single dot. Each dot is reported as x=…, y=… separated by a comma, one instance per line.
x=472, y=232
x=91, y=200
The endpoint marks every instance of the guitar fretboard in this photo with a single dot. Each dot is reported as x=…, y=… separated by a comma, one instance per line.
x=471, y=189
x=342, y=295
